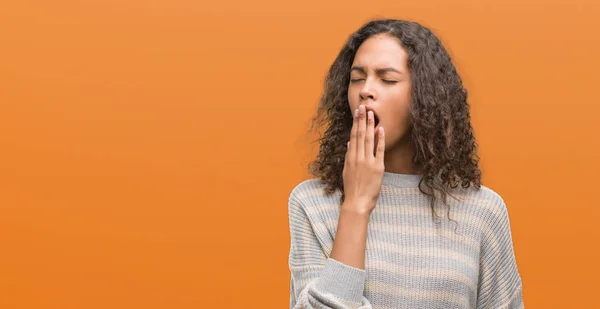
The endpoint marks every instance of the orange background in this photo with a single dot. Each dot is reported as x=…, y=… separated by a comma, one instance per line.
x=147, y=148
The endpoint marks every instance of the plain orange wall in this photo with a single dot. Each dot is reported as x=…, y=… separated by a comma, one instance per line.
x=148, y=148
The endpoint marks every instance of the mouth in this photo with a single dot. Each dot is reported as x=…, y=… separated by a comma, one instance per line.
x=370, y=108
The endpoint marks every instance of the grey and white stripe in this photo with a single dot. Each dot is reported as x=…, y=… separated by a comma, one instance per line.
x=410, y=262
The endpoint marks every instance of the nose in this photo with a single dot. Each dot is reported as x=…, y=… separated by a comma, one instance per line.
x=367, y=91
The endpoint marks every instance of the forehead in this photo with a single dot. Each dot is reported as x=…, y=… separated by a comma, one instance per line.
x=381, y=51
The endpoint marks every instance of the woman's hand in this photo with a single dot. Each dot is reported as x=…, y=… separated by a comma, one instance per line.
x=363, y=166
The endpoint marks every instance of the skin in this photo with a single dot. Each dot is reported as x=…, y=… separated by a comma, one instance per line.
x=380, y=83
x=380, y=80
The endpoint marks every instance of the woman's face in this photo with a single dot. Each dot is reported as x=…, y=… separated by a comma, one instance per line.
x=380, y=80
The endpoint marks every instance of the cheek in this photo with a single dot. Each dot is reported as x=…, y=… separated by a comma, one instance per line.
x=402, y=95
x=397, y=125
x=402, y=99
x=401, y=122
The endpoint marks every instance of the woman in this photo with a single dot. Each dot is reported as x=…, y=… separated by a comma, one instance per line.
x=396, y=216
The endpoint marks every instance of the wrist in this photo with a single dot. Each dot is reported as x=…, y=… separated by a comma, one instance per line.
x=356, y=209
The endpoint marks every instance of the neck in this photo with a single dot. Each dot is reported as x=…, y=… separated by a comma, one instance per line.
x=399, y=158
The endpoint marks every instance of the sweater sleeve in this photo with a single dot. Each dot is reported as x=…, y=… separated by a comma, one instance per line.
x=500, y=285
x=318, y=281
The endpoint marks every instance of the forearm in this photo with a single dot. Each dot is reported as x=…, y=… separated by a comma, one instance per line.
x=351, y=237
x=332, y=284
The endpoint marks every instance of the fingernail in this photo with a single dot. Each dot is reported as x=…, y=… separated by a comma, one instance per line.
x=361, y=109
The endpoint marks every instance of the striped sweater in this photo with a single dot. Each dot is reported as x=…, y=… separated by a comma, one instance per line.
x=410, y=261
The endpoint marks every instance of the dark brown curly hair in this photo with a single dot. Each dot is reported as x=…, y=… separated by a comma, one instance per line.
x=444, y=142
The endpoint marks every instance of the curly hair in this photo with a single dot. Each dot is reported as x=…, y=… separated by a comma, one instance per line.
x=443, y=138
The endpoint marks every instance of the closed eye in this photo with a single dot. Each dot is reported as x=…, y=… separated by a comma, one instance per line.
x=387, y=81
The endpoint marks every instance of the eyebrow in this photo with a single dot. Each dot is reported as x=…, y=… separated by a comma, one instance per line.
x=379, y=71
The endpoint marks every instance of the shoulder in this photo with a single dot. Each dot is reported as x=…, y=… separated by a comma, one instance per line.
x=309, y=196
x=483, y=195
x=310, y=191
x=486, y=204
x=305, y=189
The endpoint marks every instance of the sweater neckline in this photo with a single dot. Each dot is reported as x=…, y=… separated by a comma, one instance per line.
x=401, y=180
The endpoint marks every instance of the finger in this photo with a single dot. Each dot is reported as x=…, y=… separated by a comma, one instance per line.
x=351, y=152
x=360, y=136
x=380, y=145
x=369, y=137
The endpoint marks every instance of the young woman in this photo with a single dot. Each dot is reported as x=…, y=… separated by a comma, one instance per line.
x=396, y=216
